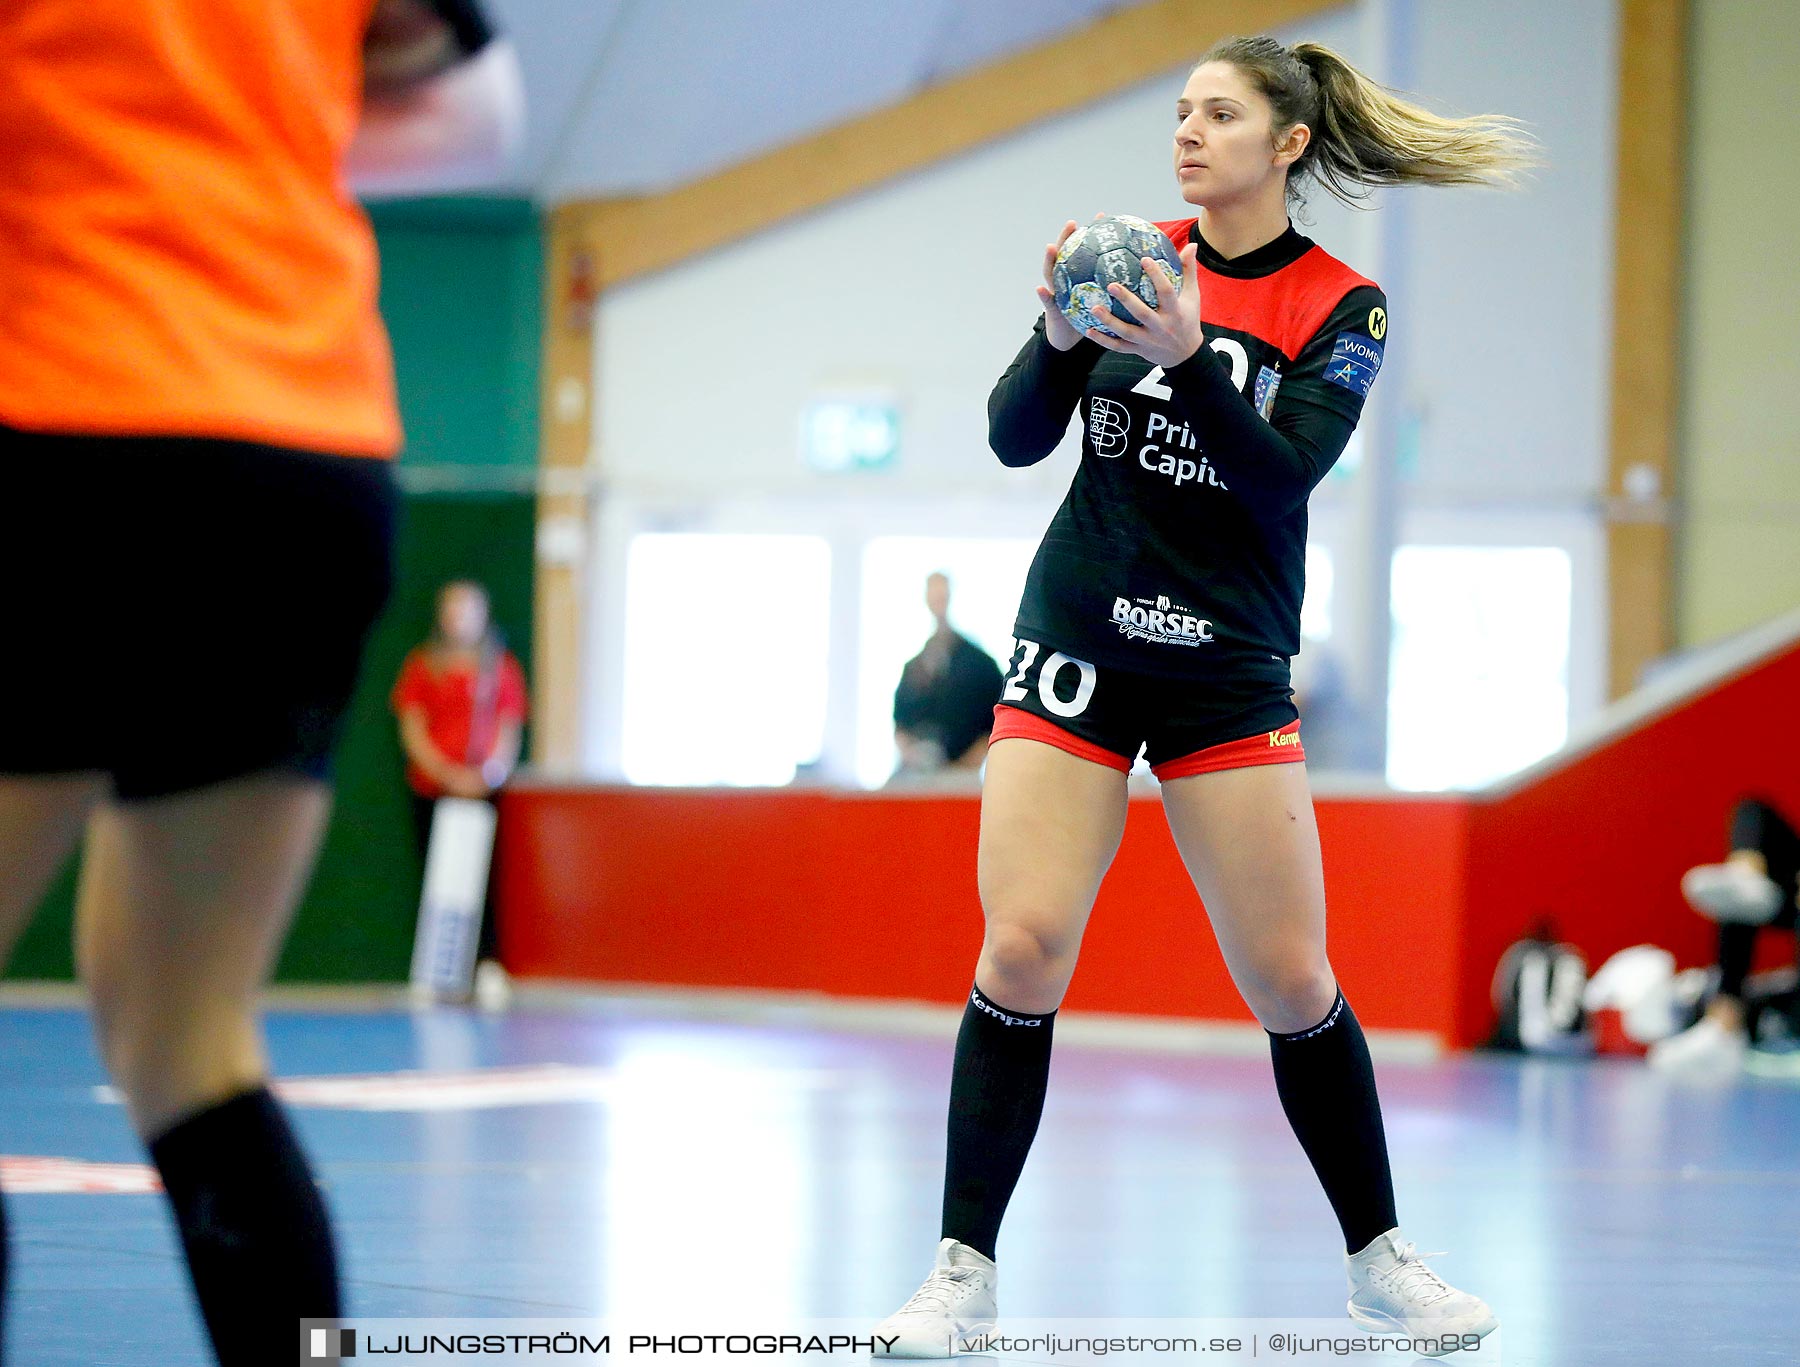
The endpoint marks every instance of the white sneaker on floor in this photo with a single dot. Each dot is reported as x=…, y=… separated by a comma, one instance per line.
x=957, y=1300
x=1731, y=893
x=493, y=986
x=1704, y=1047
x=1392, y=1290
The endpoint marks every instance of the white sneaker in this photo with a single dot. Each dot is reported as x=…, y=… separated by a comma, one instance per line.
x=1704, y=1047
x=957, y=1299
x=1392, y=1290
x=493, y=986
x=1730, y=892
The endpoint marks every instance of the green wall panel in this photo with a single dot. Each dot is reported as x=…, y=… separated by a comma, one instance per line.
x=45, y=950
x=460, y=289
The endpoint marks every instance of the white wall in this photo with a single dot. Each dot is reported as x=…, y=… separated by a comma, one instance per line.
x=1738, y=560
x=1506, y=331
x=923, y=288
x=1496, y=377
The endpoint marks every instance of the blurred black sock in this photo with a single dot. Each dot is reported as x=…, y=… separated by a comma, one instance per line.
x=254, y=1226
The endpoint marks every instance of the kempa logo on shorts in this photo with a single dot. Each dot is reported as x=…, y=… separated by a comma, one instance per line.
x=1160, y=622
x=981, y=1003
x=1109, y=426
x=1280, y=738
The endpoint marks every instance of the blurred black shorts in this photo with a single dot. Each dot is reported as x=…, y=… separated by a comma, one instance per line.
x=183, y=611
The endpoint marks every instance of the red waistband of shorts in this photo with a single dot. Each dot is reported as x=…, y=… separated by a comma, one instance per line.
x=1014, y=723
x=1265, y=747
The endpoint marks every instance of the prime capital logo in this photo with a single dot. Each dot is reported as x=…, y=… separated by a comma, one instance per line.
x=1163, y=453
x=1109, y=427
x=1160, y=621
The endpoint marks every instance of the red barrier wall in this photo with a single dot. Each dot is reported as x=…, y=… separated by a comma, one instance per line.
x=1600, y=842
x=873, y=895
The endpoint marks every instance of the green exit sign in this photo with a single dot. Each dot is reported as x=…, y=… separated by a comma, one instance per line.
x=838, y=435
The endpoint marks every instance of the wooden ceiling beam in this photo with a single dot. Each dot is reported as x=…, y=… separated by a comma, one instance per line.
x=642, y=235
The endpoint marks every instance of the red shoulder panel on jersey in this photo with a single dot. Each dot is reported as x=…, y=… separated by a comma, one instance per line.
x=1179, y=230
x=1285, y=309
x=1314, y=286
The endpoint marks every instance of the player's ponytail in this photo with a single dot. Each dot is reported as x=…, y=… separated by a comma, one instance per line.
x=1365, y=135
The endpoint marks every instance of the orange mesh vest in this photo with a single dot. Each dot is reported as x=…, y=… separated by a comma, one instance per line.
x=178, y=251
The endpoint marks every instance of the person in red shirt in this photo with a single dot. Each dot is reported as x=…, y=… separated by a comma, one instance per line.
x=460, y=701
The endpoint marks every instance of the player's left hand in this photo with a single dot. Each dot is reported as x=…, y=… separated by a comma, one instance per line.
x=1165, y=335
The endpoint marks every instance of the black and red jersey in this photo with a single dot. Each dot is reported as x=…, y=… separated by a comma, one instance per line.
x=1181, y=545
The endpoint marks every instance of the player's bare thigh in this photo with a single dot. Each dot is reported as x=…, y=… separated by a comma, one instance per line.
x=1050, y=826
x=1251, y=845
x=184, y=903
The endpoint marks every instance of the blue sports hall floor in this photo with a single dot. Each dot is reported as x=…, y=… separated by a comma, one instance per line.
x=666, y=1155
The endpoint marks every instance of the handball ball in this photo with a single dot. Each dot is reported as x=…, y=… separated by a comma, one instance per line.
x=1105, y=251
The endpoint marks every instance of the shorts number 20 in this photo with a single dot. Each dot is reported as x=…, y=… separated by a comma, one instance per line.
x=1015, y=689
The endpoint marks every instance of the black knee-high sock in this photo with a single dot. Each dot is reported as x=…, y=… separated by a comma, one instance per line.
x=996, y=1098
x=254, y=1226
x=1327, y=1087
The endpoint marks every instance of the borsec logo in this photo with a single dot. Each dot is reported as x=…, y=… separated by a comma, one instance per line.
x=1377, y=323
x=1109, y=424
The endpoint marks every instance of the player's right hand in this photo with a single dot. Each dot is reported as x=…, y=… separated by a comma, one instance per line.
x=1057, y=328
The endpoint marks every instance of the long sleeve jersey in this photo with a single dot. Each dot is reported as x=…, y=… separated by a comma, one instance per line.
x=1182, y=540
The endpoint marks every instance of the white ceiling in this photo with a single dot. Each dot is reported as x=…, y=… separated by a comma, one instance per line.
x=636, y=96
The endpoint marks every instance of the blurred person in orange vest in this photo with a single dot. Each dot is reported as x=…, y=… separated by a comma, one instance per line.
x=197, y=409
x=460, y=701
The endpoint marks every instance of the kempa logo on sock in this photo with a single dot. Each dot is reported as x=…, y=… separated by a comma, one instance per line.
x=981, y=1003
x=1337, y=1009
x=331, y=1344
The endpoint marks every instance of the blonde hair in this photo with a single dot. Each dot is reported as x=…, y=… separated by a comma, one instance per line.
x=1365, y=135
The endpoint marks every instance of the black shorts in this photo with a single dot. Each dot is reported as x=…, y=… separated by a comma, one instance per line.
x=186, y=611
x=1241, y=714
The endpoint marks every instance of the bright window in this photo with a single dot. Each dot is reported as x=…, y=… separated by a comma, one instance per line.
x=986, y=575
x=1479, y=673
x=725, y=657
x=1315, y=609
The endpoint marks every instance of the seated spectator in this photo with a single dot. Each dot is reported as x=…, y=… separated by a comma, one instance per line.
x=1754, y=888
x=944, y=706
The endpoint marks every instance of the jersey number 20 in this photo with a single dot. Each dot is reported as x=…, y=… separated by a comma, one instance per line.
x=1086, y=677
x=1228, y=347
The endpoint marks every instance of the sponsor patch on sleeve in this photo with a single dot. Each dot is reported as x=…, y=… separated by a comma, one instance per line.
x=1267, y=382
x=1355, y=361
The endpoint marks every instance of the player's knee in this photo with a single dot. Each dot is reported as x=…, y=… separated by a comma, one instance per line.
x=1026, y=957
x=108, y=993
x=167, y=1062
x=133, y=1036
x=150, y=1031
x=1290, y=995
x=134, y=1051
